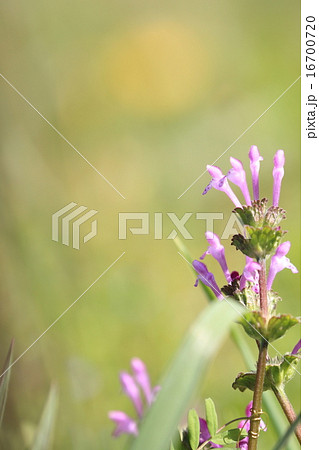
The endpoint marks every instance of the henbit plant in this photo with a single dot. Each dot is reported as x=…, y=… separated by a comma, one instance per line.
x=265, y=253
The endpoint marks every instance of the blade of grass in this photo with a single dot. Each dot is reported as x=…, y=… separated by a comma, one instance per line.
x=290, y=431
x=44, y=434
x=202, y=342
x=4, y=381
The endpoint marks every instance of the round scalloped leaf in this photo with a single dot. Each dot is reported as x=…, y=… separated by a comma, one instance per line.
x=260, y=242
x=280, y=372
x=278, y=325
x=247, y=380
x=254, y=325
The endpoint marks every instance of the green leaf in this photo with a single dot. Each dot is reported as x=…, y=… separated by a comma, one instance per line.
x=281, y=370
x=254, y=324
x=201, y=344
x=229, y=437
x=259, y=243
x=4, y=381
x=278, y=372
x=278, y=325
x=193, y=429
x=247, y=380
x=211, y=416
x=44, y=434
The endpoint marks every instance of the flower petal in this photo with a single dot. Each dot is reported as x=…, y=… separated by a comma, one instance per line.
x=124, y=423
x=207, y=278
x=237, y=175
x=255, y=159
x=132, y=391
x=141, y=376
x=278, y=173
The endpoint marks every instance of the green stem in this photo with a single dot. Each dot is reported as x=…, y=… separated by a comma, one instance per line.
x=288, y=409
x=257, y=398
x=261, y=365
x=263, y=290
x=275, y=413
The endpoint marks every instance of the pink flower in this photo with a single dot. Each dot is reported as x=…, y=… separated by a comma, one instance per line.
x=124, y=423
x=279, y=262
x=250, y=273
x=217, y=250
x=205, y=434
x=296, y=349
x=132, y=387
x=219, y=182
x=237, y=175
x=278, y=173
x=255, y=159
x=207, y=278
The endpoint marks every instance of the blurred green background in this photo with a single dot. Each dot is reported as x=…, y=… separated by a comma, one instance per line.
x=149, y=93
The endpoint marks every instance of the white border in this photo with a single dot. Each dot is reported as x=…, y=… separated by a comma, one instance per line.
x=309, y=239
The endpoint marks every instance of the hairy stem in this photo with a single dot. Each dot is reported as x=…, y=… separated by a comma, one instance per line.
x=261, y=365
x=288, y=410
x=263, y=290
x=257, y=398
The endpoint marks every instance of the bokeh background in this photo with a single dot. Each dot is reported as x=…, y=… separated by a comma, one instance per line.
x=149, y=93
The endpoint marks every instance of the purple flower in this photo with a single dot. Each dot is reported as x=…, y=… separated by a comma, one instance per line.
x=278, y=173
x=237, y=175
x=216, y=249
x=124, y=423
x=250, y=273
x=255, y=159
x=207, y=278
x=141, y=376
x=245, y=425
x=219, y=182
x=296, y=349
x=205, y=434
x=279, y=262
x=132, y=387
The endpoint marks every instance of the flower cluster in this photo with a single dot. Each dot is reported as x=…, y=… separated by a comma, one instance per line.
x=253, y=214
x=133, y=386
x=237, y=176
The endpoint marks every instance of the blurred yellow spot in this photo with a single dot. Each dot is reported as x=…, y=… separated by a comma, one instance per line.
x=159, y=68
